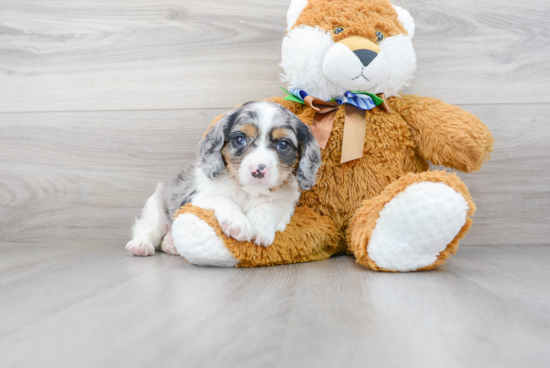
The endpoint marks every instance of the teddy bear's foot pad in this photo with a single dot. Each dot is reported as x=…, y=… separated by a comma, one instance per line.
x=197, y=242
x=416, y=226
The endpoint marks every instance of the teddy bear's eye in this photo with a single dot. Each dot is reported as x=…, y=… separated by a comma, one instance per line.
x=338, y=30
x=380, y=36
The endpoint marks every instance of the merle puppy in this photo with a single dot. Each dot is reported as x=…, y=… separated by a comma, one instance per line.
x=252, y=164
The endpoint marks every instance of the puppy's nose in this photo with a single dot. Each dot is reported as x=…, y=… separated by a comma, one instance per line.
x=259, y=172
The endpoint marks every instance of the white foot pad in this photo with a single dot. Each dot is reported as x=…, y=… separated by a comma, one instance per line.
x=199, y=244
x=416, y=226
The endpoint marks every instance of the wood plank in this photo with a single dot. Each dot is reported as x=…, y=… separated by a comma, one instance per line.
x=79, y=177
x=516, y=274
x=98, y=306
x=175, y=54
x=473, y=51
x=512, y=190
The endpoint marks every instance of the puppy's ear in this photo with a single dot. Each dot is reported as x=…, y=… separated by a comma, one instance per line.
x=210, y=148
x=310, y=155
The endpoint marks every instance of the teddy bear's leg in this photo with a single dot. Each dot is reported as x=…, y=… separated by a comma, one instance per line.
x=414, y=224
x=199, y=238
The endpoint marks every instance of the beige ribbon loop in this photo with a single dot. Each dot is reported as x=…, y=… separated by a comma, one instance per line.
x=323, y=119
x=355, y=125
x=354, y=134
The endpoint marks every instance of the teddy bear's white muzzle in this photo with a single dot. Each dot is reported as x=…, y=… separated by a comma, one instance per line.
x=356, y=65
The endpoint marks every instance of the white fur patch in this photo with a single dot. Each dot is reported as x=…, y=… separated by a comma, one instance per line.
x=150, y=227
x=294, y=11
x=197, y=242
x=416, y=226
x=406, y=19
x=399, y=53
x=261, y=154
x=303, y=52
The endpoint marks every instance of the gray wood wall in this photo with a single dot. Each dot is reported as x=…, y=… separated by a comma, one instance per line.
x=100, y=100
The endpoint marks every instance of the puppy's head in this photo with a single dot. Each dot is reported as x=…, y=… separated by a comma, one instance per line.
x=261, y=145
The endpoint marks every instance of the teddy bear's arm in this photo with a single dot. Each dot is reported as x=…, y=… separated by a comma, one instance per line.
x=446, y=134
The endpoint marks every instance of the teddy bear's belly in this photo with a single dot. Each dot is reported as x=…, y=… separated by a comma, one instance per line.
x=389, y=153
x=341, y=189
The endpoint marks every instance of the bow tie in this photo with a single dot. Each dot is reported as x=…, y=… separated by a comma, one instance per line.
x=356, y=103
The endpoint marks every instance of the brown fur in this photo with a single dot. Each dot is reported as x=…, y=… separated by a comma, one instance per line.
x=280, y=133
x=250, y=130
x=340, y=212
x=359, y=18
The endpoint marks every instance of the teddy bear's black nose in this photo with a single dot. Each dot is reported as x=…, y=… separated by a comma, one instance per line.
x=366, y=56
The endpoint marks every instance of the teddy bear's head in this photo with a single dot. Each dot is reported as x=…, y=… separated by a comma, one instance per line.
x=335, y=46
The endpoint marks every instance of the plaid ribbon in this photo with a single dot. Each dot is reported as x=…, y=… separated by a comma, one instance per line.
x=362, y=100
x=356, y=103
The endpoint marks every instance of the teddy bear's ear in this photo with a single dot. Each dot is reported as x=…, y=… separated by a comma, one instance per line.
x=406, y=18
x=294, y=11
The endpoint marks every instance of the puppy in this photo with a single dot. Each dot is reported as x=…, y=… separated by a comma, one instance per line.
x=252, y=164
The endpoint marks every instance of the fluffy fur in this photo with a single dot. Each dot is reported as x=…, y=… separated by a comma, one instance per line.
x=252, y=164
x=353, y=205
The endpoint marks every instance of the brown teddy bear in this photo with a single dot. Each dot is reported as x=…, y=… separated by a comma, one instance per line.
x=345, y=63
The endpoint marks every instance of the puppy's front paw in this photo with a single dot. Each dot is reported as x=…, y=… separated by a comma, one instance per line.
x=168, y=246
x=140, y=247
x=265, y=237
x=236, y=225
x=264, y=228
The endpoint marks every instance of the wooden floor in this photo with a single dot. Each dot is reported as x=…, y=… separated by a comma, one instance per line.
x=96, y=306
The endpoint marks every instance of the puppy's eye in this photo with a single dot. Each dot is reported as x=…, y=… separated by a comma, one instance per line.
x=338, y=30
x=240, y=141
x=380, y=36
x=283, y=145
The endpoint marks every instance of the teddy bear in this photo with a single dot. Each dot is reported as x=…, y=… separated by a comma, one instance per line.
x=345, y=62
